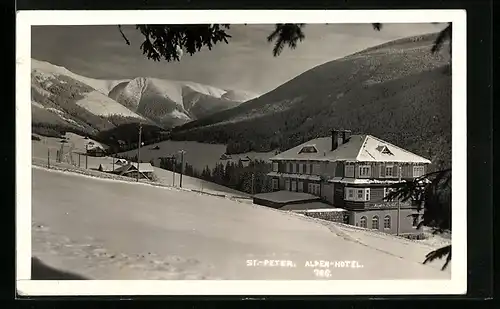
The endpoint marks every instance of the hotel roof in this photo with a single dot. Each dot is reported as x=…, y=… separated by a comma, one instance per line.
x=358, y=148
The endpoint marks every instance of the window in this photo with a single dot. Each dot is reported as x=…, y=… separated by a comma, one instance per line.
x=304, y=168
x=360, y=194
x=365, y=171
x=287, y=184
x=276, y=184
x=300, y=168
x=355, y=194
x=375, y=222
x=297, y=169
x=389, y=171
x=310, y=169
x=349, y=171
x=362, y=222
x=308, y=149
x=418, y=171
x=315, y=169
x=314, y=189
x=387, y=222
x=275, y=166
x=287, y=167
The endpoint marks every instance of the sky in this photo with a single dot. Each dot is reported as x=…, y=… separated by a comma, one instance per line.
x=246, y=63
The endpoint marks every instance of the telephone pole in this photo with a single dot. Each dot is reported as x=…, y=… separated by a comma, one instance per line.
x=399, y=205
x=253, y=183
x=182, y=167
x=174, y=163
x=87, y=156
x=139, y=150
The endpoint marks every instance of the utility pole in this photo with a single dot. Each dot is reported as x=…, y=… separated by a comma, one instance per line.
x=86, y=156
x=253, y=183
x=182, y=167
x=399, y=205
x=48, y=157
x=174, y=162
x=139, y=150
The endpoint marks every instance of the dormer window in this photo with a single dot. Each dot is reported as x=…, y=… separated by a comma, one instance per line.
x=384, y=150
x=308, y=149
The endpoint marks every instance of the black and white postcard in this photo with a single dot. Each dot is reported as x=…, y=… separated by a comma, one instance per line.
x=241, y=152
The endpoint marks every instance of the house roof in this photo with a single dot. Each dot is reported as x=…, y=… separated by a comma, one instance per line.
x=94, y=147
x=105, y=167
x=285, y=196
x=306, y=206
x=143, y=167
x=363, y=148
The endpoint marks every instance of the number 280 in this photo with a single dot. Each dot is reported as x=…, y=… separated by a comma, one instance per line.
x=323, y=273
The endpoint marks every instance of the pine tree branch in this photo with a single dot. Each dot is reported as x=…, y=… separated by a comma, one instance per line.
x=123, y=35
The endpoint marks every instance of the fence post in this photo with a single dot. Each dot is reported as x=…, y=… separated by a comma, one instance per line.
x=48, y=157
x=86, y=161
x=79, y=161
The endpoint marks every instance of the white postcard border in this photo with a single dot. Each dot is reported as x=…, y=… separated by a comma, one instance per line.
x=25, y=286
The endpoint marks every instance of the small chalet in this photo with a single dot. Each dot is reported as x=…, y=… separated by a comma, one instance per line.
x=352, y=172
x=225, y=157
x=130, y=169
x=121, y=162
x=95, y=150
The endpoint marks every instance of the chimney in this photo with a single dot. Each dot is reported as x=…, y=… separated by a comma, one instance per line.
x=346, y=134
x=335, y=139
x=339, y=137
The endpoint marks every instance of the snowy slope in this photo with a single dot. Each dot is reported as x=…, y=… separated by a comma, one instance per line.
x=104, y=229
x=101, y=105
x=165, y=100
x=101, y=85
x=62, y=98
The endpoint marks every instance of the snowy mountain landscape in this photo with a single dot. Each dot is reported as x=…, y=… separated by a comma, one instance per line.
x=61, y=97
x=175, y=182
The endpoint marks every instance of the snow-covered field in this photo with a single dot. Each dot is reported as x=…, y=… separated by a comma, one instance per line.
x=106, y=229
x=39, y=157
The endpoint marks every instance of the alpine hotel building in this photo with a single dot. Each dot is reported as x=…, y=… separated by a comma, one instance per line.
x=352, y=172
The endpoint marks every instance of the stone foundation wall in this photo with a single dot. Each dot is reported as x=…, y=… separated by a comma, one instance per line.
x=334, y=216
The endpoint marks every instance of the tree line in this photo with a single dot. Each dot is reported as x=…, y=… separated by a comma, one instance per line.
x=251, y=178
